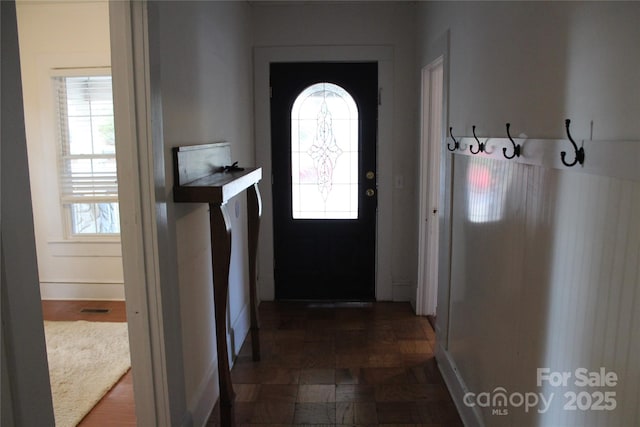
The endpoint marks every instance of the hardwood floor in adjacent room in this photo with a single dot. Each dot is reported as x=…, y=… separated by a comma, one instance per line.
x=116, y=408
x=341, y=364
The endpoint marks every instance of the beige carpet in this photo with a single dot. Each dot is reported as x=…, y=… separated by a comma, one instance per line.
x=85, y=360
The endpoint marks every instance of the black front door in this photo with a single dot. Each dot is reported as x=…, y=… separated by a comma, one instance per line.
x=323, y=133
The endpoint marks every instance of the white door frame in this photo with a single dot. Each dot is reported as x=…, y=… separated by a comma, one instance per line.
x=429, y=186
x=263, y=56
x=154, y=327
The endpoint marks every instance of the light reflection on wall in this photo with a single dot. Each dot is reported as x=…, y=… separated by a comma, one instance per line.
x=487, y=184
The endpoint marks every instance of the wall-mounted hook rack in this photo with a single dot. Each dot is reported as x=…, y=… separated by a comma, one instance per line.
x=579, y=151
x=516, y=147
x=456, y=145
x=481, y=145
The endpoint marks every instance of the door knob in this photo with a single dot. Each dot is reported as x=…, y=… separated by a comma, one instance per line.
x=369, y=192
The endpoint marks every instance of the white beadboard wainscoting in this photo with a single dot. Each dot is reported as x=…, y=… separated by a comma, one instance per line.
x=544, y=274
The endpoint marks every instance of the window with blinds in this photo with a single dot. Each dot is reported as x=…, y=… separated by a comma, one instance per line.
x=87, y=156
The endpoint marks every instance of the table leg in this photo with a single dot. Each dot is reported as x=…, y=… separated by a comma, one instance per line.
x=221, y=257
x=254, y=211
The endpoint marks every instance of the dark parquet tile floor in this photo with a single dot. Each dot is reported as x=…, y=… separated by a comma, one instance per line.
x=345, y=364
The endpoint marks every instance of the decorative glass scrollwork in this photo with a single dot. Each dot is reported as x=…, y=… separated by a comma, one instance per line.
x=324, y=153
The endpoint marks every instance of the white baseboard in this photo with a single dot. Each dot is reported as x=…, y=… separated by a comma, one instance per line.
x=239, y=331
x=204, y=400
x=208, y=391
x=82, y=291
x=471, y=417
x=403, y=292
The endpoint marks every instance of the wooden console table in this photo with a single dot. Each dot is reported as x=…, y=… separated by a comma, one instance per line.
x=200, y=178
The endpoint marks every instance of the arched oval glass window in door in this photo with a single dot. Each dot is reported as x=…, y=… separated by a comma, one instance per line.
x=324, y=153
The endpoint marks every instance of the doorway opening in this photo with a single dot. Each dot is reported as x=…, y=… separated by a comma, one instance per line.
x=429, y=187
x=68, y=108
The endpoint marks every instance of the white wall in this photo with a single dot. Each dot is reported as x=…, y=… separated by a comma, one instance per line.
x=203, y=53
x=62, y=35
x=309, y=27
x=552, y=283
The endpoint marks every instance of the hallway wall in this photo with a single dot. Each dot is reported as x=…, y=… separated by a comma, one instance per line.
x=202, y=51
x=24, y=380
x=544, y=265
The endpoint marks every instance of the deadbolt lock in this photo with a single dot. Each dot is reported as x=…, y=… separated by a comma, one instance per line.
x=370, y=192
x=370, y=175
